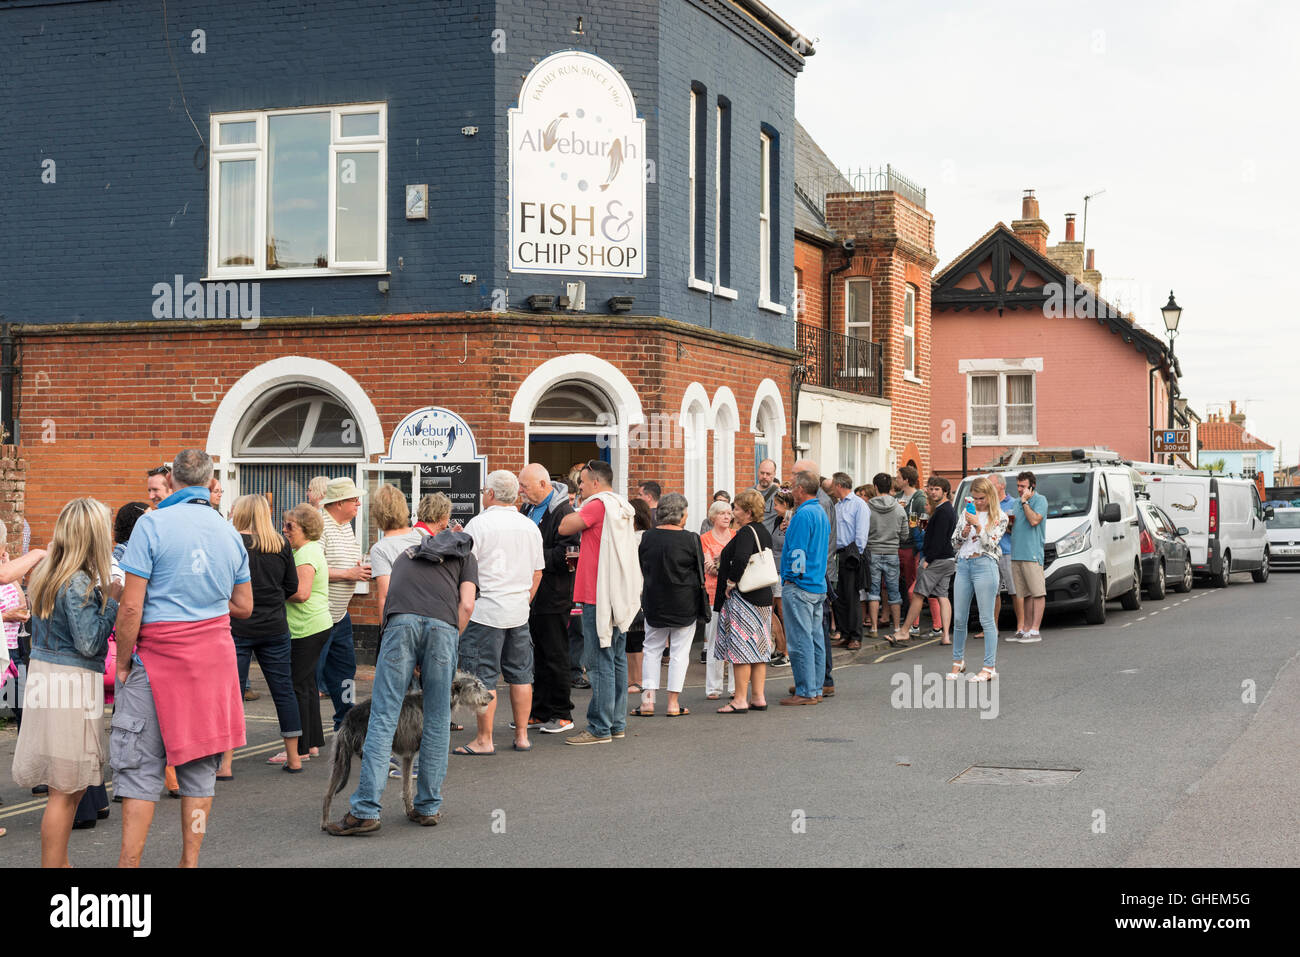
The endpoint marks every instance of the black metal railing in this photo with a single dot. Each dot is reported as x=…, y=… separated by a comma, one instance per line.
x=863, y=180
x=833, y=361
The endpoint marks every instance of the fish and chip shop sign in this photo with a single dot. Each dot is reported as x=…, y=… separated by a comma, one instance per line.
x=443, y=445
x=577, y=171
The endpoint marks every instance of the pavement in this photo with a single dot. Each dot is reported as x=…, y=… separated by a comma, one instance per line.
x=1174, y=728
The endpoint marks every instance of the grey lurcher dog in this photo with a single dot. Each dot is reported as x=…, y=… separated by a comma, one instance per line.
x=467, y=691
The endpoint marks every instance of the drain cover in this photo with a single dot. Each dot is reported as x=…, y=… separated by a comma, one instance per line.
x=1044, y=776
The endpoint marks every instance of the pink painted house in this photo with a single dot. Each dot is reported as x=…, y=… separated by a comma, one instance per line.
x=1024, y=353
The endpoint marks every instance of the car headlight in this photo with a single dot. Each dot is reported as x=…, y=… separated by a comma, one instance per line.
x=1077, y=541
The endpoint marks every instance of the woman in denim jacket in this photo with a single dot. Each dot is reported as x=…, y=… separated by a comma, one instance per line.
x=61, y=743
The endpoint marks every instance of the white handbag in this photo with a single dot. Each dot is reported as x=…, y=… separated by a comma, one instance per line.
x=760, y=570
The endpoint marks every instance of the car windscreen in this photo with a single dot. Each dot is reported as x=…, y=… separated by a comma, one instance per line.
x=1067, y=493
x=1285, y=520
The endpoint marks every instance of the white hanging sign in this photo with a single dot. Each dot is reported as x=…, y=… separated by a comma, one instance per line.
x=577, y=171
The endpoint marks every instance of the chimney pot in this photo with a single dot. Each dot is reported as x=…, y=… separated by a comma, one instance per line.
x=1069, y=227
x=1029, y=206
x=1233, y=403
x=1091, y=266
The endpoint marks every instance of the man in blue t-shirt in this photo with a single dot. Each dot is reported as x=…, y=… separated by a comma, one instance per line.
x=803, y=592
x=1028, y=535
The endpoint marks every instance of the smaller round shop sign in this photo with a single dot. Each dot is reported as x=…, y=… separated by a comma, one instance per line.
x=432, y=435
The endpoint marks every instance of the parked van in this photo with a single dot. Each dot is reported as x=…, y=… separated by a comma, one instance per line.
x=1093, y=549
x=1226, y=521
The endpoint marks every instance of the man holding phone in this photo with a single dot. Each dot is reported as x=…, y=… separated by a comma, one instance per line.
x=1028, y=537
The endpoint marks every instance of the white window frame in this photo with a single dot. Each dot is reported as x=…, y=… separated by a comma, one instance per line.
x=765, y=226
x=864, y=446
x=257, y=151
x=857, y=372
x=1002, y=368
x=1249, y=464
x=692, y=280
x=909, y=310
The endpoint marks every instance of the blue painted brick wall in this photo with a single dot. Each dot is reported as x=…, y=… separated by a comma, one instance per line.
x=92, y=86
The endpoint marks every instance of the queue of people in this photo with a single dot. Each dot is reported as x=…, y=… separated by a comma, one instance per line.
x=174, y=601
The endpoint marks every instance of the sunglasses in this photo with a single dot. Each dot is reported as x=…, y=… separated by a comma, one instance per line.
x=160, y=470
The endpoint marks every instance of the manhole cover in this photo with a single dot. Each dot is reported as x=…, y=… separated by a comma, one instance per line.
x=985, y=775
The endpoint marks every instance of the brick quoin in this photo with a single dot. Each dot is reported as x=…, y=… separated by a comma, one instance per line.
x=165, y=392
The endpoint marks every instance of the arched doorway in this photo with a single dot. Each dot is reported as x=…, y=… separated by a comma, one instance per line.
x=572, y=423
x=767, y=423
x=583, y=381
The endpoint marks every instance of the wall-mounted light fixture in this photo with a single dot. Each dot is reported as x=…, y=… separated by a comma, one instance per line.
x=541, y=303
x=621, y=303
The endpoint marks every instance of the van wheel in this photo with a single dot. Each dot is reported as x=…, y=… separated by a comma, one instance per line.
x=1157, y=590
x=1096, y=612
x=1186, y=584
x=1132, y=600
x=1261, y=574
x=1224, y=578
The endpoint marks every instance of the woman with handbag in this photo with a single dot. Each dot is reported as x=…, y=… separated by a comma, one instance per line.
x=672, y=599
x=744, y=604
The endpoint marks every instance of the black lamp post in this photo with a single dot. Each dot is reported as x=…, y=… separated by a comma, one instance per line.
x=1171, y=312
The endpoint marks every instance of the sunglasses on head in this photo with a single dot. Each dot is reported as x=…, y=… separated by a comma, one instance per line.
x=160, y=470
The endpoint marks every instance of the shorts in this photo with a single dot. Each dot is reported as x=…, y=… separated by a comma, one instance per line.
x=136, y=750
x=488, y=653
x=1029, y=579
x=1006, y=581
x=932, y=581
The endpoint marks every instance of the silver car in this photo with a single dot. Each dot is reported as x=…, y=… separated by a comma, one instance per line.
x=1284, y=538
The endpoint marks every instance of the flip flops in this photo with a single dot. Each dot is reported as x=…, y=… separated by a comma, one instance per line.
x=642, y=714
x=467, y=751
x=678, y=714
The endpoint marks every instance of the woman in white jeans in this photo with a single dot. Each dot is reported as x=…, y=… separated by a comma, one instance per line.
x=672, y=569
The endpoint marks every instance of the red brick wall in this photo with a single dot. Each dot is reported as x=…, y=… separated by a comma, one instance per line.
x=1092, y=390
x=810, y=267
x=97, y=409
x=13, y=486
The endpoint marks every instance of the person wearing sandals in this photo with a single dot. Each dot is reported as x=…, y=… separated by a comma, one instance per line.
x=266, y=631
x=980, y=527
x=73, y=606
x=672, y=571
x=307, y=612
x=744, y=633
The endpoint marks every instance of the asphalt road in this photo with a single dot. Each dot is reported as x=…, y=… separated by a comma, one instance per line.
x=1174, y=768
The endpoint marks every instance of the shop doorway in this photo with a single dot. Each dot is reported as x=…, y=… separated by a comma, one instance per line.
x=573, y=423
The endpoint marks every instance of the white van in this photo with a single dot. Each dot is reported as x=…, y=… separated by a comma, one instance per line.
x=1226, y=521
x=1092, y=552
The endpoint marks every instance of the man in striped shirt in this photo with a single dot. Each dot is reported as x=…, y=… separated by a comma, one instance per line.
x=343, y=555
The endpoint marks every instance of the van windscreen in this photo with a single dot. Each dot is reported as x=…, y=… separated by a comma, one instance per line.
x=1067, y=493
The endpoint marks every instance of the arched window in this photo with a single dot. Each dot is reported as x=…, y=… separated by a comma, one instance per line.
x=573, y=421
x=288, y=435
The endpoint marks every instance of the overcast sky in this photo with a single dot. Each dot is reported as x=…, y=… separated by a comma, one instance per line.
x=1183, y=112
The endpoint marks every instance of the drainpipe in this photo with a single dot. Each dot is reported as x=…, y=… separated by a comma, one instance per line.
x=7, y=372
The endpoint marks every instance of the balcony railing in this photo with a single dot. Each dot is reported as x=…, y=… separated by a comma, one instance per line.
x=833, y=361
x=863, y=180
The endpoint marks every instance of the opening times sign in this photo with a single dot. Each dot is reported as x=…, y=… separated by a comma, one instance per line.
x=444, y=446
x=577, y=171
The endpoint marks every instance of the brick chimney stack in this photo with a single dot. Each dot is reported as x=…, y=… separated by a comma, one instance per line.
x=1069, y=228
x=1030, y=228
x=1237, y=418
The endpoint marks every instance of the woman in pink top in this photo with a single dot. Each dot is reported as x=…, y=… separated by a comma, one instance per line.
x=713, y=542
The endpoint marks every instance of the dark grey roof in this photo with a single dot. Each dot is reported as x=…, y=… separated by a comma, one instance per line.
x=814, y=176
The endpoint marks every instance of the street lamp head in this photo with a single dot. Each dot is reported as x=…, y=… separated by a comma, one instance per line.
x=1171, y=311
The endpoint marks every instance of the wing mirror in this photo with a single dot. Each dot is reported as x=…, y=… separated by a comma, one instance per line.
x=1110, y=512
x=1268, y=513
x=1183, y=530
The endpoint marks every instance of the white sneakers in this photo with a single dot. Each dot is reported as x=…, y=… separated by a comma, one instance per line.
x=1029, y=637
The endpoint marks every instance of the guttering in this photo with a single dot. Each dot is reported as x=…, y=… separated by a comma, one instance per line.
x=784, y=32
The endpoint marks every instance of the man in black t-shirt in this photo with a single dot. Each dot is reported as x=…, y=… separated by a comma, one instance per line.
x=937, y=563
x=431, y=594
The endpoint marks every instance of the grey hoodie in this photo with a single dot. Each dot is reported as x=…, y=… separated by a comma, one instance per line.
x=889, y=530
x=437, y=548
